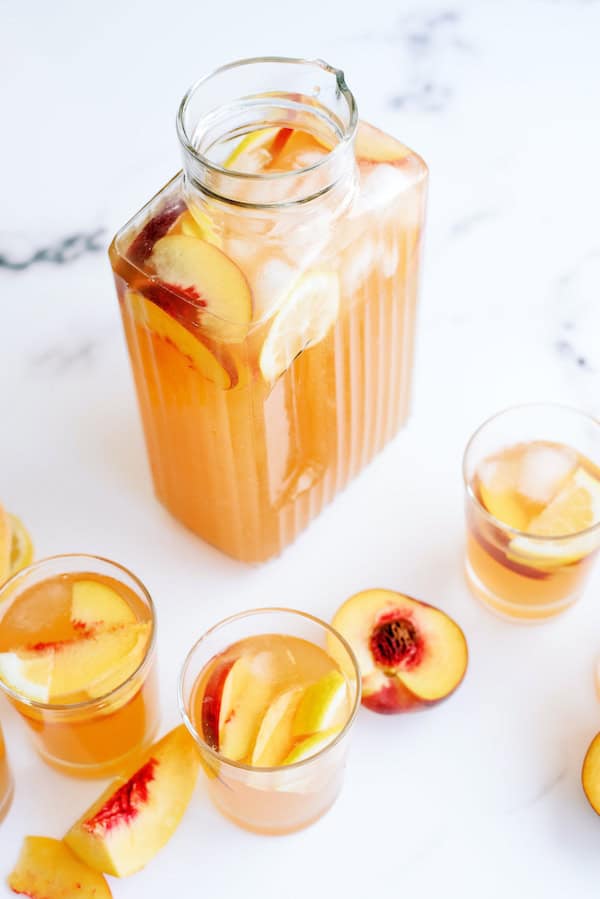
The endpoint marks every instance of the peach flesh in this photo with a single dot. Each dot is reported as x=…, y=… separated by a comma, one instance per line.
x=124, y=805
x=411, y=654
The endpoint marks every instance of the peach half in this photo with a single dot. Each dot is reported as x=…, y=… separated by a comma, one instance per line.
x=411, y=655
x=47, y=869
x=139, y=812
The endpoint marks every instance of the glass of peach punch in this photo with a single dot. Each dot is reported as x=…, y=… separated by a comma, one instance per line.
x=268, y=296
x=532, y=479
x=77, y=637
x=270, y=697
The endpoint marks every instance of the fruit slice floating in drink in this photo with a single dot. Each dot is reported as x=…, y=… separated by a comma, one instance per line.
x=543, y=490
x=200, y=273
x=411, y=655
x=152, y=317
x=303, y=320
x=98, y=646
x=271, y=700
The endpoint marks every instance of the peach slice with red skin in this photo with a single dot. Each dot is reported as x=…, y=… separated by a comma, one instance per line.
x=411, y=655
x=235, y=699
x=139, y=812
x=208, y=280
x=47, y=869
x=159, y=225
x=214, y=366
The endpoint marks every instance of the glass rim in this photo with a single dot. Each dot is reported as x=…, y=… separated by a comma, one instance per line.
x=516, y=532
x=223, y=760
x=98, y=700
x=264, y=177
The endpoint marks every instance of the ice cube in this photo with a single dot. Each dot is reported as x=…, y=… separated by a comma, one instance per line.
x=543, y=471
x=272, y=282
x=379, y=185
x=357, y=263
x=241, y=251
x=497, y=475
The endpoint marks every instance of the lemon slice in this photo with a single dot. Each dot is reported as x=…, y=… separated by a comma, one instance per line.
x=6, y=528
x=197, y=223
x=28, y=673
x=574, y=509
x=252, y=154
x=311, y=745
x=304, y=319
x=322, y=706
x=21, y=550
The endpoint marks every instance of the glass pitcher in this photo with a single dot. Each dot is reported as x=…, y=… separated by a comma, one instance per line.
x=268, y=296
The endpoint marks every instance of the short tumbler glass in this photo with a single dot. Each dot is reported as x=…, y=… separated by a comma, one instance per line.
x=514, y=572
x=282, y=799
x=94, y=737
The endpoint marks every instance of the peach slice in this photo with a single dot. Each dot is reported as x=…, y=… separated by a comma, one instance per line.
x=311, y=745
x=159, y=225
x=122, y=670
x=324, y=705
x=82, y=665
x=275, y=736
x=139, y=812
x=590, y=774
x=202, y=274
x=246, y=693
x=159, y=322
x=47, y=869
x=373, y=145
x=411, y=655
x=305, y=317
x=95, y=605
x=211, y=702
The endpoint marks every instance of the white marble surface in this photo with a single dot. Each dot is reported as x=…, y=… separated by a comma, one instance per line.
x=481, y=796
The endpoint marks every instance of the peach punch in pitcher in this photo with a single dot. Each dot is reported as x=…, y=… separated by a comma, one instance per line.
x=268, y=296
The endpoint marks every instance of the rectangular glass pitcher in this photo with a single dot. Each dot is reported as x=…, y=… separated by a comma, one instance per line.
x=268, y=295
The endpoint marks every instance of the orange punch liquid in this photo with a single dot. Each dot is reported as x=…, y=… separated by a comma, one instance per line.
x=531, y=535
x=76, y=662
